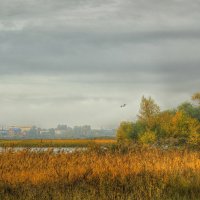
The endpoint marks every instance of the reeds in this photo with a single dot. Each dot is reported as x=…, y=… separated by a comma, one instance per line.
x=140, y=174
x=55, y=142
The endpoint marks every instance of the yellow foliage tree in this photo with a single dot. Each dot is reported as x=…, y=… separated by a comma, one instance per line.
x=194, y=139
x=164, y=124
x=125, y=131
x=148, y=137
x=196, y=97
x=148, y=111
x=183, y=125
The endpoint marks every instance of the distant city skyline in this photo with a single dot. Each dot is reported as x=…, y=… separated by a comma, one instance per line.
x=61, y=131
x=7, y=126
x=77, y=62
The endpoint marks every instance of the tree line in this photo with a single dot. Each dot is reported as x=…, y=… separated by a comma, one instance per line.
x=180, y=125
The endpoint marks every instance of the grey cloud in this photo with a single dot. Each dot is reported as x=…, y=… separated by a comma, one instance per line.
x=54, y=100
x=22, y=8
x=75, y=56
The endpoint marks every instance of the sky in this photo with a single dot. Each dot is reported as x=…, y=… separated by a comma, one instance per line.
x=75, y=62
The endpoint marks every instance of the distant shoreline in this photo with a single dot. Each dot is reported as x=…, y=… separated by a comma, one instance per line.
x=56, y=142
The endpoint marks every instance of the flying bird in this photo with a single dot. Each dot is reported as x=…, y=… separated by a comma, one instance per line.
x=122, y=106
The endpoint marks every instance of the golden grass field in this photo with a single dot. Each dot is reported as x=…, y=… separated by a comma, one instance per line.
x=139, y=174
x=55, y=142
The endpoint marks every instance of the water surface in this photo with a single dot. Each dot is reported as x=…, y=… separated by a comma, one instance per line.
x=42, y=149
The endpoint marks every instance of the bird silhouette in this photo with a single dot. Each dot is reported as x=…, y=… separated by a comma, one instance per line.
x=122, y=106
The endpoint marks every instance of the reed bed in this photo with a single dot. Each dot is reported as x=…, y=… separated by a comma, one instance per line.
x=55, y=142
x=142, y=173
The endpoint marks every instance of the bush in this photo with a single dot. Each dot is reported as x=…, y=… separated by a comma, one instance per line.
x=194, y=140
x=125, y=131
x=183, y=125
x=147, y=137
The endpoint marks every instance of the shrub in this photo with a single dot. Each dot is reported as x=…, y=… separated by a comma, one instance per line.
x=125, y=131
x=183, y=125
x=147, y=137
x=194, y=140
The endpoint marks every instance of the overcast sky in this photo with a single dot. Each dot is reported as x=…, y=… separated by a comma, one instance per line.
x=76, y=61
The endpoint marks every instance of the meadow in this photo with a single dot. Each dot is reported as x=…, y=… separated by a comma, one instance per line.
x=55, y=142
x=137, y=173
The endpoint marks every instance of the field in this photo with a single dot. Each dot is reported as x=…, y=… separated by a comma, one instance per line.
x=55, y=142
x=137, y=174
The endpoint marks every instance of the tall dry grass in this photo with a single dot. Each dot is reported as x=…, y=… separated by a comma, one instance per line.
x=55, y=142
x=100, y=174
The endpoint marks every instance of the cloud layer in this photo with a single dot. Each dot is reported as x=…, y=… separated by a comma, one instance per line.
x=76, y=61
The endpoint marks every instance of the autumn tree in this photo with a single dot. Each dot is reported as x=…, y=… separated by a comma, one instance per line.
x=183, y=125
x=190, y=109
x=196, y=97
x=125, y=131
x=180, y=124
x=148, y=137
x=164, y=124
x=148, y=111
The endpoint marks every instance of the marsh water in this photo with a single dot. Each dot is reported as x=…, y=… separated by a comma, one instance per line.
x=42, y=149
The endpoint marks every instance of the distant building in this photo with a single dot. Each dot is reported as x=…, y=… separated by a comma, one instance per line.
x=19, y=130
x=25, y=128
x=44, y=131
x=59, y=132
x=14, y=131
x=61, y=127
x=3, y=132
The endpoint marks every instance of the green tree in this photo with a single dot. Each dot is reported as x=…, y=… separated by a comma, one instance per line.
x=164, y=124
x=139, y=128
x=190, y=109
x=183, y=125
x=148, y=111
x=147, y=137
x=125, y=131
